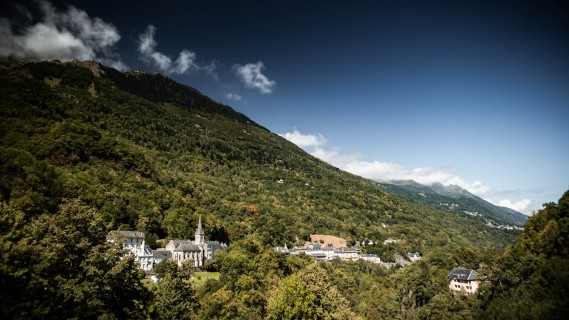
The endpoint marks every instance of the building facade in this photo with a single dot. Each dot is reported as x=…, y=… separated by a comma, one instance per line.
x=134, y=242
x=463, y=281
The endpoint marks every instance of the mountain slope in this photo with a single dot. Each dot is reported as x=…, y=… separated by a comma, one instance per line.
x=151, y=154
x=455, y=199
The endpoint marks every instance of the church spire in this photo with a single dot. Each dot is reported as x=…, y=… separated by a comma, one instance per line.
x=200, y=235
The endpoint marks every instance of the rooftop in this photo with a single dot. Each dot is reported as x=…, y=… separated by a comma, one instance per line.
x=463, y=274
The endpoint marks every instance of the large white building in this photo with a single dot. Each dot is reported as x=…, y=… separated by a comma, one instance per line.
x=134, y=242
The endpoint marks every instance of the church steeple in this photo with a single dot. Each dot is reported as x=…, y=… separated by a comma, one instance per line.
x=200, y=235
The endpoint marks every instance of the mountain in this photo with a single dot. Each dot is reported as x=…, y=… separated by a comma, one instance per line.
x=454, y=198
x=151, y=154
x=85, y=149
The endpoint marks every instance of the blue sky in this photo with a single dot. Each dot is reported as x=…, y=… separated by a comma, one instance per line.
x=473, y=93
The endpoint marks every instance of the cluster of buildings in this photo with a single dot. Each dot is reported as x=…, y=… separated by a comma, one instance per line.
x=323, y=252
x=460, y=280
x=197, y=251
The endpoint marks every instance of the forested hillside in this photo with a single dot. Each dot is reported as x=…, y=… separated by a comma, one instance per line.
x=150, y=154
x=86, y=149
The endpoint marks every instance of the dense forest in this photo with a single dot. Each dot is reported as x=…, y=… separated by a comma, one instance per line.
x=86, y=149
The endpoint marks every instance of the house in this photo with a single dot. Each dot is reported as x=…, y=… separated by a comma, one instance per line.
x=414, y=256
x=390, y=241
x=371, y=258
x=464, y=281
x=212, y=248
x=134, y=242
x=347, y=253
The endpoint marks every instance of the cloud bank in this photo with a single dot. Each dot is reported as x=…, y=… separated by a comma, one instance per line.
x=251, y=75
x=65, y=36
x=385, y=171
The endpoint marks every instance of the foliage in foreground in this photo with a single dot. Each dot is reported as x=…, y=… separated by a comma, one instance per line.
x=61, y=266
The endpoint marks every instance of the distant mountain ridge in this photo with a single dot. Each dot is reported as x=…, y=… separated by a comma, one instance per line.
x=456, y=199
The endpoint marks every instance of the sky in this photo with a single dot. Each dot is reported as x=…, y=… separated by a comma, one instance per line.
x=471, y=93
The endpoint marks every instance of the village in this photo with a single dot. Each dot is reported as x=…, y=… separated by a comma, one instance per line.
x=321, y=248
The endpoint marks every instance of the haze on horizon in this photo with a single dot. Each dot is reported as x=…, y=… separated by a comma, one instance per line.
x=474, y=94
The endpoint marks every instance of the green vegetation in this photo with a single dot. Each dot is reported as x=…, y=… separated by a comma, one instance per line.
x=86, y=149
x=150, y=154
x=201, y=277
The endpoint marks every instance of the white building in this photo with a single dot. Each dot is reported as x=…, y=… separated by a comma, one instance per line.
x=414, y=256
x=134, y=242
x=347, y=253
x=371, y=258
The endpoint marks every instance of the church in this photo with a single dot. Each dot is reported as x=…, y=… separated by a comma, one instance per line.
x=197, y=251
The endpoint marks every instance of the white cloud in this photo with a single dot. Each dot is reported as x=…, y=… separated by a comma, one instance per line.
x=385, y=171
x=233, y=96
x=65, y=36
x=520, y=206
x=147, y=49
x=251, y=75
x=334, y=157
x=377, y=170
x=184, y=62
x=304, y=140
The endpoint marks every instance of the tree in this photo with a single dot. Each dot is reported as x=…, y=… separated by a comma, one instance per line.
x=61, y=266
x=533, y=281
x=174, y=296
x=308, y=294
x=446, y=305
